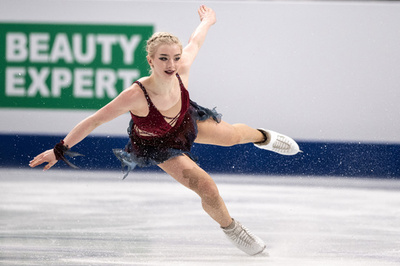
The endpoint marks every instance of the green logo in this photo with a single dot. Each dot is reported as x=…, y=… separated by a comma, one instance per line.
x=73, y=66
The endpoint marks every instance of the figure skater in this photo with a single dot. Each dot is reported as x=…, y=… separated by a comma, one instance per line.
x=165, y=123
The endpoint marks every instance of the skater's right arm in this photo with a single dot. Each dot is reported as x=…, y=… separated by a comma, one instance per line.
x=131, y=99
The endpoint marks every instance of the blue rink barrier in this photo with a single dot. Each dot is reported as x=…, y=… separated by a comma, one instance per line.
x=318, y=158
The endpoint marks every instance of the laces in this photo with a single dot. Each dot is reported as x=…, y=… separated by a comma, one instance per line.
x=243, y=237
x=281, y=144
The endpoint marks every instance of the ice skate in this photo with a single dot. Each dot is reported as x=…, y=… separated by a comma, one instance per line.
x=243, y=239
x=278, y=143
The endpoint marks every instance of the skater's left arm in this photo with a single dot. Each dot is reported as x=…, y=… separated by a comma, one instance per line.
x=207, y=18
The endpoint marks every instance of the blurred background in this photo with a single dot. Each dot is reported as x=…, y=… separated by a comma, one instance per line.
x=323, y=72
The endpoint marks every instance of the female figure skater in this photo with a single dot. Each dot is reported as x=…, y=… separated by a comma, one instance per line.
x=165, y=123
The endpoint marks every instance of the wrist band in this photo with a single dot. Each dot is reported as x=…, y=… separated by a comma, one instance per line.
x=60, y=150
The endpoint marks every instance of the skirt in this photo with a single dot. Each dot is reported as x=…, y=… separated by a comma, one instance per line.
x=179, y=141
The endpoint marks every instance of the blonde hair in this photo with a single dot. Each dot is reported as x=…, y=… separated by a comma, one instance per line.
x=158, y=39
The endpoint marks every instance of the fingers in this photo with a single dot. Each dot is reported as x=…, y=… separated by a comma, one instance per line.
x=206, y=13
x=36, y=161
x=40, y=159
x=202, y=9
x=49, y=165
x=201, y=13
x=47, y=156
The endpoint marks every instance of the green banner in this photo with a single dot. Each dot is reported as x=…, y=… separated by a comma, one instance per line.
x=69, y=66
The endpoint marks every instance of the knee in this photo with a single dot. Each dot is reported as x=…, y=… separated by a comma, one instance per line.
x=208, y=191
x=201, y=183
x=209, y=195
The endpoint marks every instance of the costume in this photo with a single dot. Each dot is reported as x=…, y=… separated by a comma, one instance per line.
x=153, y=140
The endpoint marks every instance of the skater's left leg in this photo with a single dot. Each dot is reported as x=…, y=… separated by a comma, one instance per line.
x=225, y=134
x=188, y=173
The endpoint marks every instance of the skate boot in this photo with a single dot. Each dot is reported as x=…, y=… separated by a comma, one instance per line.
x=243, y=239
x=278, y=143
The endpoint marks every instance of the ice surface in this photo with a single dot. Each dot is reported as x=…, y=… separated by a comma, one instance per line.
x=95, y=218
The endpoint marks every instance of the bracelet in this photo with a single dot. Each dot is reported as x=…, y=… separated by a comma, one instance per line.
x=60, y=150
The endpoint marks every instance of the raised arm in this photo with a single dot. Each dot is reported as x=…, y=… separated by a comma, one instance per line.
x=207, y=18
x=123, y=103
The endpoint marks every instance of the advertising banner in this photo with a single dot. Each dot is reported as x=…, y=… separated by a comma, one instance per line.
x=69, y=66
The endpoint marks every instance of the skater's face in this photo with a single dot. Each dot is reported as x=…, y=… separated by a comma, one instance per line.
x=166, y=60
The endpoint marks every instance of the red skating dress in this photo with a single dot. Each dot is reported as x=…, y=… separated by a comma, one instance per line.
x=153, y=140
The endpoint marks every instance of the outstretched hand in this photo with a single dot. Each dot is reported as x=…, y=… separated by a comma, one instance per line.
x=207, y=14
x=45, y=157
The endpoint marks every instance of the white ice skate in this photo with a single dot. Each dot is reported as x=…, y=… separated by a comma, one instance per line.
x=278, y=143
x=243, y=239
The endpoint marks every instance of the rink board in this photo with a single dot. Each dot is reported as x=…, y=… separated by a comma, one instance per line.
x=318, y=158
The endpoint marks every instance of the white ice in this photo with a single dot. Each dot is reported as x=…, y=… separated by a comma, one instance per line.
x=94, y=218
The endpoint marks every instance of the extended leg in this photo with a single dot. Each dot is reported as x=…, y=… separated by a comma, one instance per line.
x=224, y=134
